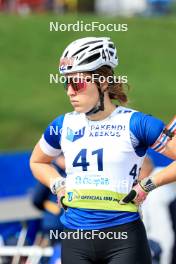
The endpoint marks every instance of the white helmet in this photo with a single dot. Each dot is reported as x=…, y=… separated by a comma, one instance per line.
x=88, y=54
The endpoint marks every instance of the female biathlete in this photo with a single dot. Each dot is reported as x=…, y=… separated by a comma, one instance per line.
x=104, y=146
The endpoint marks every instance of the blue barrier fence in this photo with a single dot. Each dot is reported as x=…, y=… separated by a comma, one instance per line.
x=16, y=176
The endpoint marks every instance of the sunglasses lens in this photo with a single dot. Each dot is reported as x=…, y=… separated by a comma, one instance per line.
x=77, y=84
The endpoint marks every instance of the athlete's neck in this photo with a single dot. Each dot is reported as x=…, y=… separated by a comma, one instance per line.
x=102, y=114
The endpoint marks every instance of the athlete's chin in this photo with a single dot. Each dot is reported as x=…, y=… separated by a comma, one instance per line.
x=80, y=109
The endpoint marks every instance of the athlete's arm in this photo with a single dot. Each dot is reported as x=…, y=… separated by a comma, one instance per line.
x=41, y=166
x=139, y=192
x=165, y=143
x=170, y=149
x=165, y=176
x=46, y=150
x=147, y=168
x=60, y=161
x=168, y=174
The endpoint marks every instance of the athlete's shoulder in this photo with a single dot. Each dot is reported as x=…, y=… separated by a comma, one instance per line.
x=58, y=121
x=51, y=138
x=145, y=127
x=140, y=118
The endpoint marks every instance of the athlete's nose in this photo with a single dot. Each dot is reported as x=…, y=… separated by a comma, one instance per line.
x=70, y=90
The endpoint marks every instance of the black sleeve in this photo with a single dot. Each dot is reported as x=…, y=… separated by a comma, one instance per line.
x=39, y=195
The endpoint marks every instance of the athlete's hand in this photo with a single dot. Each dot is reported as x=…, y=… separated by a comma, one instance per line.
x=139, y=192
x=136, y=195
x=57, y=187
x=60, y=196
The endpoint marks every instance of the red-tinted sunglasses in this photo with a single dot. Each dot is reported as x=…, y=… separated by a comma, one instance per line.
x=77, y=84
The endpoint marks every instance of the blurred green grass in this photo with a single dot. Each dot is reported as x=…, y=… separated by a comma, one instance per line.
x=29, y=52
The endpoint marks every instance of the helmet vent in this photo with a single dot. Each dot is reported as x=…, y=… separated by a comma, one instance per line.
x=98, y=47
x=82, y=55
x=111, y=46
x=90, y=59
x=66, y=54
x=79, y=51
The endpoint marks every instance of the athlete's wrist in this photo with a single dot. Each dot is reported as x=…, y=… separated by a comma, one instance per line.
x=56, y=185
x=148, y=184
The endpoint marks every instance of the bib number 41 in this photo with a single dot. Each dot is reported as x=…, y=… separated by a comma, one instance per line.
x=81, y=159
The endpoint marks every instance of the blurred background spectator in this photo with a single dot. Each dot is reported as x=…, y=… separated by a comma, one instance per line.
x=159, y=7
x=120, y=7
x=45, y=201
x=111, y=7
